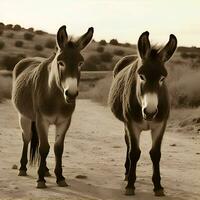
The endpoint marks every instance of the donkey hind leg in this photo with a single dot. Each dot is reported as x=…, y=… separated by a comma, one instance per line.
x=42, y=128
x=61, y=130
x=25, y=125
x=134, y=155
x=127, y=162
x=155, y=154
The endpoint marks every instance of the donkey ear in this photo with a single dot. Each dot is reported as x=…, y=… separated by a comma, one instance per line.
x=84, y=40
x=144, y=45
x=167, y=51
x=62, y=37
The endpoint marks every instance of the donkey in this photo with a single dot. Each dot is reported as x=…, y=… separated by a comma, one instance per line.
x=139, y=97
x=44, y=93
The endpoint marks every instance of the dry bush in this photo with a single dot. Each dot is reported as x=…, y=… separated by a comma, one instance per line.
x=100, y=92
x=19, y=43
x=39, y=47
x=17, y=27
x=10, y=35
x=1, y=31
x=118, y=52
x=100, y=49
x=39, y=32
x=91, y=63
x=28, y=36
x=5, y=85
x=106, y=57
x=30, y=29
x=2, y=25
x=2, y=44
x=8, y=26
x=103, y=42
x=114, y=42
x=9, y=61
x=50, y=43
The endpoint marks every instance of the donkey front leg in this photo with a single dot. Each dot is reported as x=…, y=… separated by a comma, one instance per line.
x=155, y=154
x=134, y=155
x=42, y=128
x=61, y=130
x=127, y=162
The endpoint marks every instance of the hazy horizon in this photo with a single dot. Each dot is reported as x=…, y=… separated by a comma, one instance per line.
x=124, y=20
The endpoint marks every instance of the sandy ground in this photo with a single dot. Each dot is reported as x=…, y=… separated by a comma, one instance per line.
x=95, y=148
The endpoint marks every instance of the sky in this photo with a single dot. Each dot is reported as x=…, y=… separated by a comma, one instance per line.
x=124, y=20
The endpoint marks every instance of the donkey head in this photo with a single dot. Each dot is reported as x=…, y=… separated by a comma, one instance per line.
x=69, y=61
x=151, y=73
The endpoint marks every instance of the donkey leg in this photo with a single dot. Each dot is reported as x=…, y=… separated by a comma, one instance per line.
x=61, y=130
x=26, y=136
x=134, y=155
x=42, y=127
x=155, y=154
x=127, y=162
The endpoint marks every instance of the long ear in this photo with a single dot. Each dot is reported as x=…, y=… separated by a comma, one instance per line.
x=84, y=40
x=167, y=51
x=62, y=37
x=144, y=45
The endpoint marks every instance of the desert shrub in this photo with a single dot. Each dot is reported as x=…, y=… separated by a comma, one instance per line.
x=118, y=52
x=8, y=26
x=91, y=63
x=39, y=32
x=126, y=44
x=10, y=35
x=101, y=90
x=28, y=36
x=106, y=57
x=114, y=42
x=103, y=42
x=17, y=27
x=100, y=49
x=9, y=61
x=2, y=25
x=5, y=85
x=19, y=43
x=1, y=32
x=30, y=29
x=2, y=44
x=50, y=43
x=39, y=47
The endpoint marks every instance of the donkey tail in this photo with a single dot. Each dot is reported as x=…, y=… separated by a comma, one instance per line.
x=34, y=153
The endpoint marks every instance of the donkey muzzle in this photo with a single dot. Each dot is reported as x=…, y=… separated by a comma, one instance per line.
x=149, y=116
x=70, y=97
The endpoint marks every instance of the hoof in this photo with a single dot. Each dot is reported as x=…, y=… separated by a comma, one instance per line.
x=22, y=173
x=62, y=183
x=130, y=192
x=41, y=184
x=159, y=193
x=47, y=174
x=126, y=178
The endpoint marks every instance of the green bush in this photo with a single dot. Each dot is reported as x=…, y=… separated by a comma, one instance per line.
x=50, y=43
x=39, y=47
x=100, y=49
x=106, y=57
x=19, y=43
x=2, y=44
x=28, y=36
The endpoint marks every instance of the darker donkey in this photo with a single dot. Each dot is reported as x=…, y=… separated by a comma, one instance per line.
x=44, y=93
x=139, y=98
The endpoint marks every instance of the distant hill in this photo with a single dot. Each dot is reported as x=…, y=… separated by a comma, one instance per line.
x=17, y=42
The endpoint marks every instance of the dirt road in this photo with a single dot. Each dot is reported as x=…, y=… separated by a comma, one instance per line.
x=95, y=149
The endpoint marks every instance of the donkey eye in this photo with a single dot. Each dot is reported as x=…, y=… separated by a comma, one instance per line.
x=142, y=77
x=61, y=63
x=162, y=78
x=80, y=63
